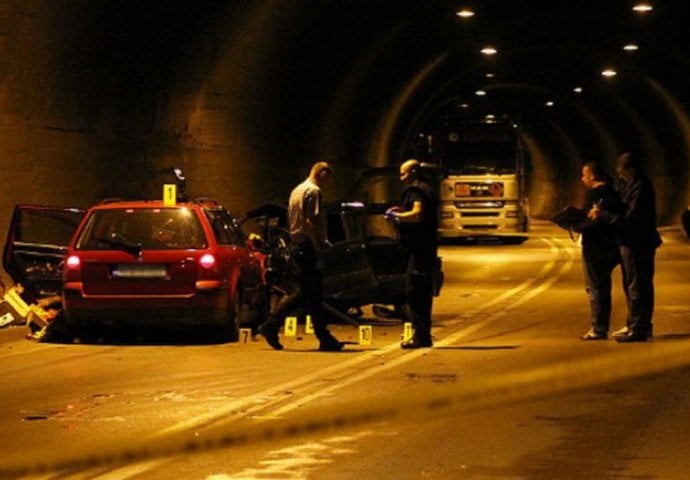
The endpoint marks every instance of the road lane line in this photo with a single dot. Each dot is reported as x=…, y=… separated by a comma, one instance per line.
x=247, y=405
x=446, y=341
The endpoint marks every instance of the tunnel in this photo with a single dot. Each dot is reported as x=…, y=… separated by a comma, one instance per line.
x=101, y=99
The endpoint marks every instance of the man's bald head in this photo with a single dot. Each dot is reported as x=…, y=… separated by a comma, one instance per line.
x=409, y=170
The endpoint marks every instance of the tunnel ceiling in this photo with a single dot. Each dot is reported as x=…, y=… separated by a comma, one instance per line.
x=548, y=75
x=546, y=50
x=245, y=94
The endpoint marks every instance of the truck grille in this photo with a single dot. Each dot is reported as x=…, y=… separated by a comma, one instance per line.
x=479, y=214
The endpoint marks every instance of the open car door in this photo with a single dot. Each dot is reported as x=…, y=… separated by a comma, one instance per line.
x=36, y=245
x=348, y=275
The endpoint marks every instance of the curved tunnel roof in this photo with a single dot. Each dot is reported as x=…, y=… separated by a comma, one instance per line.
x=586, y=80
x=248, y=93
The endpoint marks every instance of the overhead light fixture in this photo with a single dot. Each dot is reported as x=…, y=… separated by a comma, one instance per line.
x=631, y=47
x=480, y=93
x=464, y=105
x=465, y=13
x=609, y=73
x=490, y=75
x=550, y=103
x=643, y=7
x=489, y=50
x=577, y=89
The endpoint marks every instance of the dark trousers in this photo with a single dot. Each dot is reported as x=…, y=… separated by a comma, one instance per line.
x=598, y=262
x=638, y=281
x=420, y=294
x=303, y=290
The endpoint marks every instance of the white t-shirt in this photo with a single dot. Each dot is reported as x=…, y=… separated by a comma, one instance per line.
x=306, y=203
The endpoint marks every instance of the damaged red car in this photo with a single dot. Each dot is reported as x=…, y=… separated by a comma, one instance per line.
x=139, y=263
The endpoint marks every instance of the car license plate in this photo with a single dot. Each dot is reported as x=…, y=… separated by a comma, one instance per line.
x=134, y=270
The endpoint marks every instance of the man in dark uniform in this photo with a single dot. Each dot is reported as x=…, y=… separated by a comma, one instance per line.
x=600, y=253
x=638, y=240
x=417, y=217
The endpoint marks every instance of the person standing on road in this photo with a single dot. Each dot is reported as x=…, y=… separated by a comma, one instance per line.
x=308, y=235
x=638, y=240
x=600, y=253
x=417, y=218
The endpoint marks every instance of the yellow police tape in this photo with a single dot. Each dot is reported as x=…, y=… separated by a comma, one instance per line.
x=469, y=396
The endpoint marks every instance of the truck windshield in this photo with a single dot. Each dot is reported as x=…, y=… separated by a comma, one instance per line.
x=480, y=157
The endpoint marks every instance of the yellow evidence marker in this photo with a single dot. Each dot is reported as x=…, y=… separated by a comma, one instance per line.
x=365, y=334
x=407, y=332
x=245, y=335
x=169, y=194
x=291, y=326
x=308, y=326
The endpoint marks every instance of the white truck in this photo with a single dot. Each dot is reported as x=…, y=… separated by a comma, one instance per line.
x=483, y=192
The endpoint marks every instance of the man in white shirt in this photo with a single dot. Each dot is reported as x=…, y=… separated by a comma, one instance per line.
x=308, y=233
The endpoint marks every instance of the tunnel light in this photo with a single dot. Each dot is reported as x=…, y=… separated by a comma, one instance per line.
x=490, y=75
x=480, y=93
x=465, y=13
x=577, y=89
x=631, y=47
x=489, y=50
x=550, y=103
x=609, y=73
x=464, y=105
x=643, y=7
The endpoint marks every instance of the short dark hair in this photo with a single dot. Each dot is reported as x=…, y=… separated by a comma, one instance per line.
x=627, y=161
x=319, y=167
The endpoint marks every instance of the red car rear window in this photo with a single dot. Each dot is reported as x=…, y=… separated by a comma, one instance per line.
x=148, y=228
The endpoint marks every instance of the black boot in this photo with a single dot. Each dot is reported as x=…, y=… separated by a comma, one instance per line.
x=328, y=343
x=417, y=342
x=634, y=336
x=269, y=330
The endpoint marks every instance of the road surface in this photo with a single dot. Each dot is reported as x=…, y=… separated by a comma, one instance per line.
x=508, y=392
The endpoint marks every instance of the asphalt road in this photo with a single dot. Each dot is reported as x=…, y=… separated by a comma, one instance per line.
x=508, y=392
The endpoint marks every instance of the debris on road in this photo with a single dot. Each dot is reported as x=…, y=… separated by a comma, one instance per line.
x=36, y=316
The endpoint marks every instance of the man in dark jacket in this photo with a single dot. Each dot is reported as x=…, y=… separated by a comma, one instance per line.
x=638, y=240
x=600, y=253
x=417, y=217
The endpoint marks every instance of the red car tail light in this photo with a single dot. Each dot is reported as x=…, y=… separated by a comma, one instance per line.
x=72, y=268
x=208, y=261
x=73, y=262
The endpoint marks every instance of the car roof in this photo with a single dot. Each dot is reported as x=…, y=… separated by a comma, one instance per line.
x=136, y=204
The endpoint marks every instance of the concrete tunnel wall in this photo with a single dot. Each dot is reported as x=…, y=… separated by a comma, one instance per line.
x=101, y=98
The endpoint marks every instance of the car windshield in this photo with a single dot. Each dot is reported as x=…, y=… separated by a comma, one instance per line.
x=135, y=229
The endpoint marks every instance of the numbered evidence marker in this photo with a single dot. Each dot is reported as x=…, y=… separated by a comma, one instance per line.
x=291, y=326
x=308, y=326
x=365, y=334
x=407, y=332
x=245, y=335
x=169, y=194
